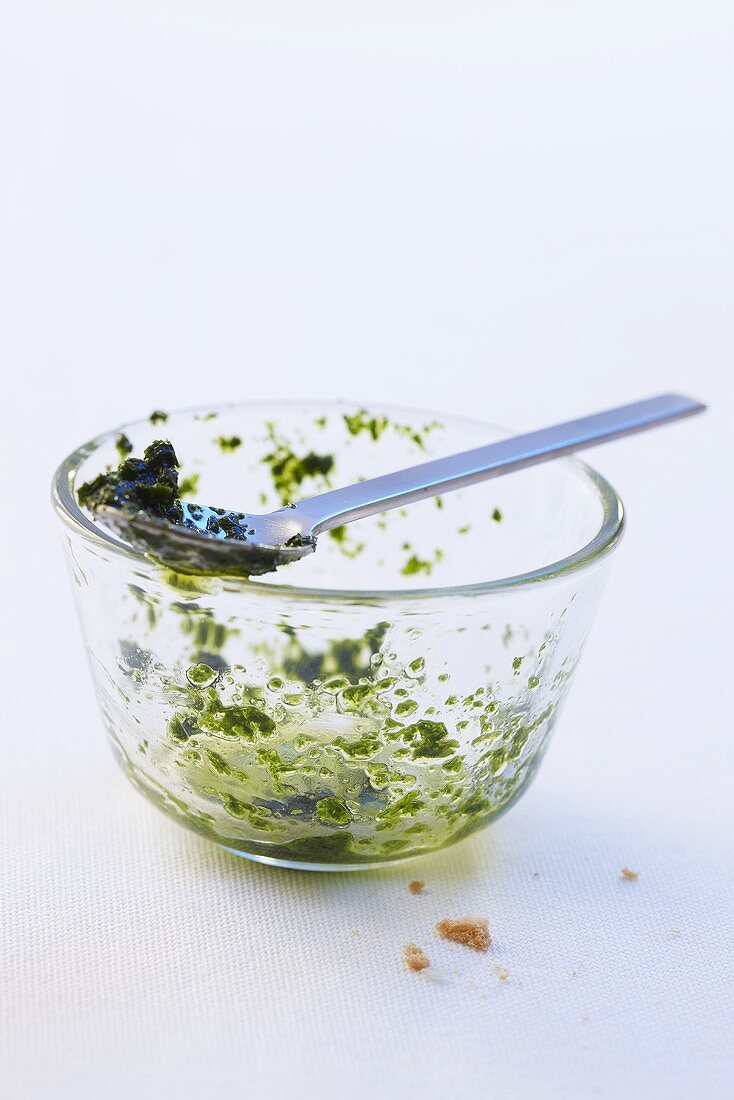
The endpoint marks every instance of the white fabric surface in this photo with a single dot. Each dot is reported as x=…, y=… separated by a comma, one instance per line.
x=521, y=210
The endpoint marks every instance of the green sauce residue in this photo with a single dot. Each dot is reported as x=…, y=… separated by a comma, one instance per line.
x=416, y=564
x=158, y=417
x=332, y=811
x=123, y=445
x=213, y=717
x=289, y=471
x=375, y=426
x=228, y=442
x=188, y=486
x=148, y=484
x=345, y=539
x=362, y=422
x=429, y=740
x=332, y=756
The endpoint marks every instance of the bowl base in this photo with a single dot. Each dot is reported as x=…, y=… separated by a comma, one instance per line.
x=297, y=865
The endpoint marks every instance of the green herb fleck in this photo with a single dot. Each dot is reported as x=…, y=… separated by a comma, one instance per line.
x=414, y=565
x=228, y=442
x=332, y=811
x=123, y=445
x=288, y=471
x=188, y=485
x=429, y=740
x=362, y=422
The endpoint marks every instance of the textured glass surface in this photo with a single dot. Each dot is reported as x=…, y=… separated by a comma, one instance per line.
x=384, y=697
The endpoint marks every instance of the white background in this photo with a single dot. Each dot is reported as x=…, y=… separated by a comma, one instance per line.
x=510, y=209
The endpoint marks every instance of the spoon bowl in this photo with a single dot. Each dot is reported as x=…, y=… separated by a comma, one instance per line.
x=201, y=543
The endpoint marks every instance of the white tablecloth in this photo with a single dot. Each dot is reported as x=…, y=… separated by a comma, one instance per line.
x=521, y=212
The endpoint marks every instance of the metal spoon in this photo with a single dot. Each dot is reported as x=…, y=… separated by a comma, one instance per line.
x=290, y=533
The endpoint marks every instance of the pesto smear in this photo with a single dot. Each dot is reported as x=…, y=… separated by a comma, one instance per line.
x=345, y=754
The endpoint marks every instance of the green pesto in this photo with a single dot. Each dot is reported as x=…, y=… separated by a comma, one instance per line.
x=374, y=426
x=244, y=723
x=344, y=539
x=289, y=471
x=148, y=484
x=187, y=486
x=361, y=421
x=349, y=657
x=158, y=417
x=123, y=445
x=429, y=740
x=259, y=775
x=415, y=564
x=332, y=811
x=339, y=534
x=149, y=487
x=497, y=515
x=228, y=442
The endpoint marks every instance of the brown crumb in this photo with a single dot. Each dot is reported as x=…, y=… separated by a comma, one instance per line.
x=502, y=974
x=416, y=885
x=627, y=875
x=471, y=931
x=415, y=959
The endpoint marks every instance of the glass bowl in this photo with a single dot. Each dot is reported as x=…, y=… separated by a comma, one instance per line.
x=378, y=700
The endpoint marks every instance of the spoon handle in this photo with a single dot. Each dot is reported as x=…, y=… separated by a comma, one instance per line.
x=378, y=494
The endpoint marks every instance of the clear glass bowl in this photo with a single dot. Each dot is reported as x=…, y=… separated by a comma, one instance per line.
x=381, y=699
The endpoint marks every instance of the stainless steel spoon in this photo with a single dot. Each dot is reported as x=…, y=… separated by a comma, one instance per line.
x=290, y=533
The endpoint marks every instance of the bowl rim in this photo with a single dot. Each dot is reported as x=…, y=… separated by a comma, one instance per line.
x=602, y=543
